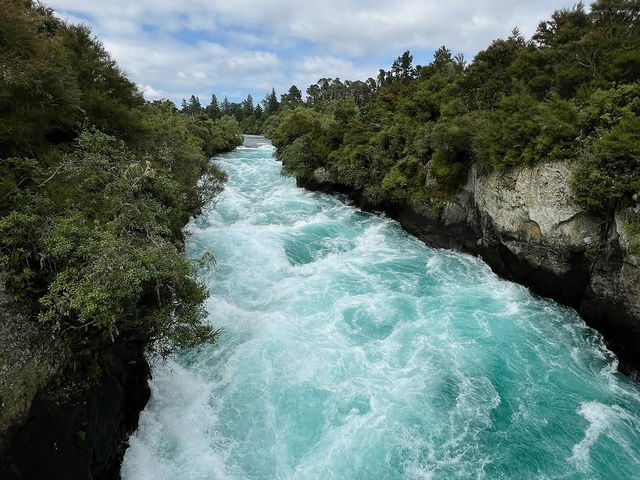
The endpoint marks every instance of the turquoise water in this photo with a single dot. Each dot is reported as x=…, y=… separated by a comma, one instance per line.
x=353, y=351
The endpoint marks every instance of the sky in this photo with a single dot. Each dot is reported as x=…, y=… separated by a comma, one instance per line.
x=176, y=48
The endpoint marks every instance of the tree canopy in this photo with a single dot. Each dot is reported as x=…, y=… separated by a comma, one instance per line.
x=571, y=92
x=95, y=187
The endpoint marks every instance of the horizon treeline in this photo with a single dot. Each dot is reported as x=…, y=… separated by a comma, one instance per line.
x=250, y=117
x=253, y=117
x=571, y=93
x=95, y=187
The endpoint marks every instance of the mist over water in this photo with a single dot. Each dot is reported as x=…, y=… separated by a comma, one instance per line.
x=353, y=351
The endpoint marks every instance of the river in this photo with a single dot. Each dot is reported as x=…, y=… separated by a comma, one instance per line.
x=353, y=351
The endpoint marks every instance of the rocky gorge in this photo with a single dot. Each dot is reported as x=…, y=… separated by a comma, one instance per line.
x=526, y=226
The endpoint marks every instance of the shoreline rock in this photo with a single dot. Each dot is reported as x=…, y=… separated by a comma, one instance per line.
x=85, y=436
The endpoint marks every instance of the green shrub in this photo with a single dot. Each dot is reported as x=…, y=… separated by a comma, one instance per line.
x=609, y=169
x=405, y=179
x=297, y=158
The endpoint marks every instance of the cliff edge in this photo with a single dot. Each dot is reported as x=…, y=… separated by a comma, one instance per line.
x=55, y=429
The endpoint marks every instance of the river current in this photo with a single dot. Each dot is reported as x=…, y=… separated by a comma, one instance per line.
x=350, y=350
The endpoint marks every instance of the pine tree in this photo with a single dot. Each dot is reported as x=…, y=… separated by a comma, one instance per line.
x=225, y=107
x=194, y=107
x=213, y=109
x=271, y=103
x=247, y=106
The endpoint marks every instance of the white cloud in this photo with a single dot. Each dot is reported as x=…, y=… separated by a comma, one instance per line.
x=149, y=92
x=176, y=48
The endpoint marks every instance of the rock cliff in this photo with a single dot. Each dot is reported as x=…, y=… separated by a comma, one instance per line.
x=527, y=227
x=51, y=429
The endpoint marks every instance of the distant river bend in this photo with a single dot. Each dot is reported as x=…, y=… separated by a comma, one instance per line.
x=353, y=351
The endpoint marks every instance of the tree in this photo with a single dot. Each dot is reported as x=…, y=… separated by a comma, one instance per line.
x=402, y=68
x=247, y=106
x=270, y=102
x=570, y=94
x=337, y=89
x=441, y=58
x=489, y=77
x=225, y=106
x=565, y=26
x=96, y=187
x=360, y=91
x=382, y=78
x=314, y=94
x=371, y=83
x=213, y=109
x=192, y=107
x=292, y=98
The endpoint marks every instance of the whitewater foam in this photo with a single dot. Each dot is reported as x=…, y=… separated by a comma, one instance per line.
x=353, y=351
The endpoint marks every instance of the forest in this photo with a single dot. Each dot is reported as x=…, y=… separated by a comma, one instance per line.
x=96, y=185
x=571, y=92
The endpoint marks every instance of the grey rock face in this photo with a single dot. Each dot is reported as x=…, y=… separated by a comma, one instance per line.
x=531, y=212
x=85, y=436
x=72, y=432
x=535, y=205
x=534, y=215
x=27, y=363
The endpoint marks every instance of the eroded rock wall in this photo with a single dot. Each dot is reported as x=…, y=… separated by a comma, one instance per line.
x=52, y=426
x=28, y=362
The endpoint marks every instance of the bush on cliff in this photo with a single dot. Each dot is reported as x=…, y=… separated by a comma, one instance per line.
x=96, y=185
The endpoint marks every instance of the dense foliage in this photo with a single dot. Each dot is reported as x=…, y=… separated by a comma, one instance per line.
x=572, y=92
x=95, y=187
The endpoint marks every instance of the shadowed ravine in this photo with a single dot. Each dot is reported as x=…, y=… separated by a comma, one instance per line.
x=353, y=351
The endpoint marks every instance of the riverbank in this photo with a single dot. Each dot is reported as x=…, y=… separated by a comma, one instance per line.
x=525, y=226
